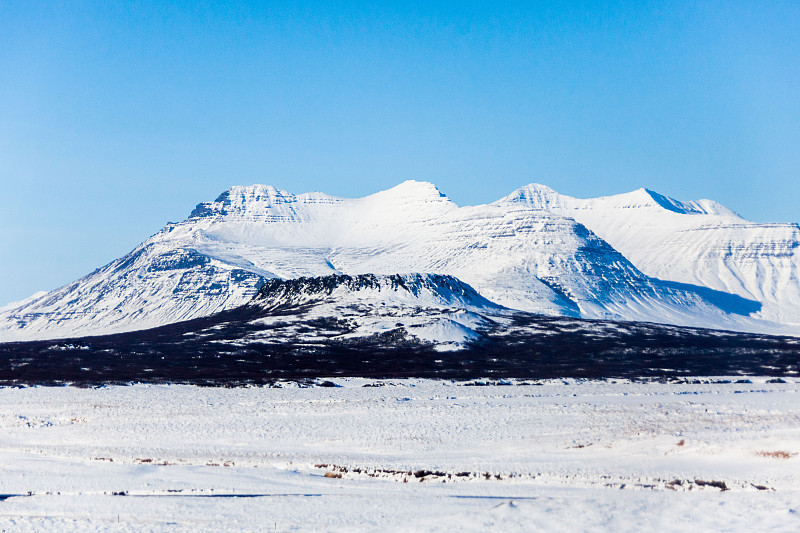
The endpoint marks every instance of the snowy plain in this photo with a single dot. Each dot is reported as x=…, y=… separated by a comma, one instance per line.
x=555, y=455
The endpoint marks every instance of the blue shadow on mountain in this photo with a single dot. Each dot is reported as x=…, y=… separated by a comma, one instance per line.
x=730, y=303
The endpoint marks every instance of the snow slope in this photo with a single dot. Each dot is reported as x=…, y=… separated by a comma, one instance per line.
x=155, y=284
x=699, y=243
x=513, y=253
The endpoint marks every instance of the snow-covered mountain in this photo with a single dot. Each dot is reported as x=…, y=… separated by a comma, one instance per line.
x=390, y=326
x=700, y=243
x=516, y=252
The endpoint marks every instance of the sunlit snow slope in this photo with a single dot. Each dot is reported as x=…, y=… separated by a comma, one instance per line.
x=699, y=243
x=513, y=252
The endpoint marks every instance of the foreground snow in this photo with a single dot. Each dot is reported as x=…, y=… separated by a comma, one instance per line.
x=410, y=454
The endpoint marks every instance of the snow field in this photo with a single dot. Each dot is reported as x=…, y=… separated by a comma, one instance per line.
x=403, y=455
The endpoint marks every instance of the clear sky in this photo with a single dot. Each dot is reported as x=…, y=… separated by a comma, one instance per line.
x=115, y=119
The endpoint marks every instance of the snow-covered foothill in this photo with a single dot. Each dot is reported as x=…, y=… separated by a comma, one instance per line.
x=436, y=309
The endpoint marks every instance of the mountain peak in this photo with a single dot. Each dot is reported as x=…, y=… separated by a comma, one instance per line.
x=239, y=195
x=542, y=197
x=410, y=193
x=665, y=202
x=699, y=207
x=254, y=192
x=533, y=195
x=244, y=198
x=416, y=189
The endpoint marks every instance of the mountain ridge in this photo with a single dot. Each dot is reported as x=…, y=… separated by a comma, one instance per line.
x=700, y=243
x=522, y=252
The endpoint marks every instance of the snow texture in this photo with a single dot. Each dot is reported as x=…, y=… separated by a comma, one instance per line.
x=408, y=455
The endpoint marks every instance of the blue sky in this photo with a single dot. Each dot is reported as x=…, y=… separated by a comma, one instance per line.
x=115, y=119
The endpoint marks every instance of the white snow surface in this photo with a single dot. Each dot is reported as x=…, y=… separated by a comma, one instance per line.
x=700, y=243
x=560, y=455
x=514, y=252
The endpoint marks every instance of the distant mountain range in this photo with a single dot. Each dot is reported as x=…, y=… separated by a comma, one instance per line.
x=639, y=256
